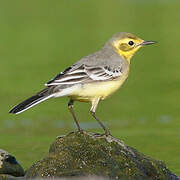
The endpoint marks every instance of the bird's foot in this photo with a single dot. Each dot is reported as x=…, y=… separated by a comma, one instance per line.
x=81, y=131
x=107, y=133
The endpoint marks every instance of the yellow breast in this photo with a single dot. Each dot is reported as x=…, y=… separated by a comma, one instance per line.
x=97, y=89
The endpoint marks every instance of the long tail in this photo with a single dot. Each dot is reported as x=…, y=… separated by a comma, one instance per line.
x=32, y=101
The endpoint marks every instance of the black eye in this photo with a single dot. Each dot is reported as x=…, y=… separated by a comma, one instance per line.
x=130, y=43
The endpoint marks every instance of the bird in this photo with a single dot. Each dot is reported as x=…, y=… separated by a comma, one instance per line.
x=93, y=78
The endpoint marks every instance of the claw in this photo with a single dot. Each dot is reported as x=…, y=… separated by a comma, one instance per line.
x=107, y=133
x=81, y=131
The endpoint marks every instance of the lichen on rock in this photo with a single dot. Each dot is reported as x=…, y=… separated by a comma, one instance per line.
x=77, y=154
x=9, y=167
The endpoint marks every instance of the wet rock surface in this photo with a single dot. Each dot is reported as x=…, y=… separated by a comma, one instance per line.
x=9, y=167
x=76, y=155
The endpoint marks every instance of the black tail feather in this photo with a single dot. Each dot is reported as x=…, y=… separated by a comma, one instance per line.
x=30, y=102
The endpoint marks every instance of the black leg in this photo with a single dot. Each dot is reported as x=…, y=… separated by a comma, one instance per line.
x=70, y=106
x=101, y=124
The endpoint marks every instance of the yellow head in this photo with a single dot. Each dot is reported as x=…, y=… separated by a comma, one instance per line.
x=127, y=44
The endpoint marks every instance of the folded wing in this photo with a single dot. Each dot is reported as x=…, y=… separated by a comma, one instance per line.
x=85, y=74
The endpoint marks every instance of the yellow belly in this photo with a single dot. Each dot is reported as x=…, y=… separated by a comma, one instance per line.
x=97, y=89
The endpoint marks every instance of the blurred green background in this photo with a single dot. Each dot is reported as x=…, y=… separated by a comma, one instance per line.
x=38, y=39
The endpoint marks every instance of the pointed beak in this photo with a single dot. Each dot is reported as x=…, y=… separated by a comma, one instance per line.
x=147, y=43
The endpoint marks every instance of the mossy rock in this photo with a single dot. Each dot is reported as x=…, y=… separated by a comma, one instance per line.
x=85, y=154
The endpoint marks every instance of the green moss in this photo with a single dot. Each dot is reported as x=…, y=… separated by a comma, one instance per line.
x=89, y=154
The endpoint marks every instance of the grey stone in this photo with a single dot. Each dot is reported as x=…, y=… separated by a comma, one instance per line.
x=80, y=155
x=9, y=177
x=9, y=165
